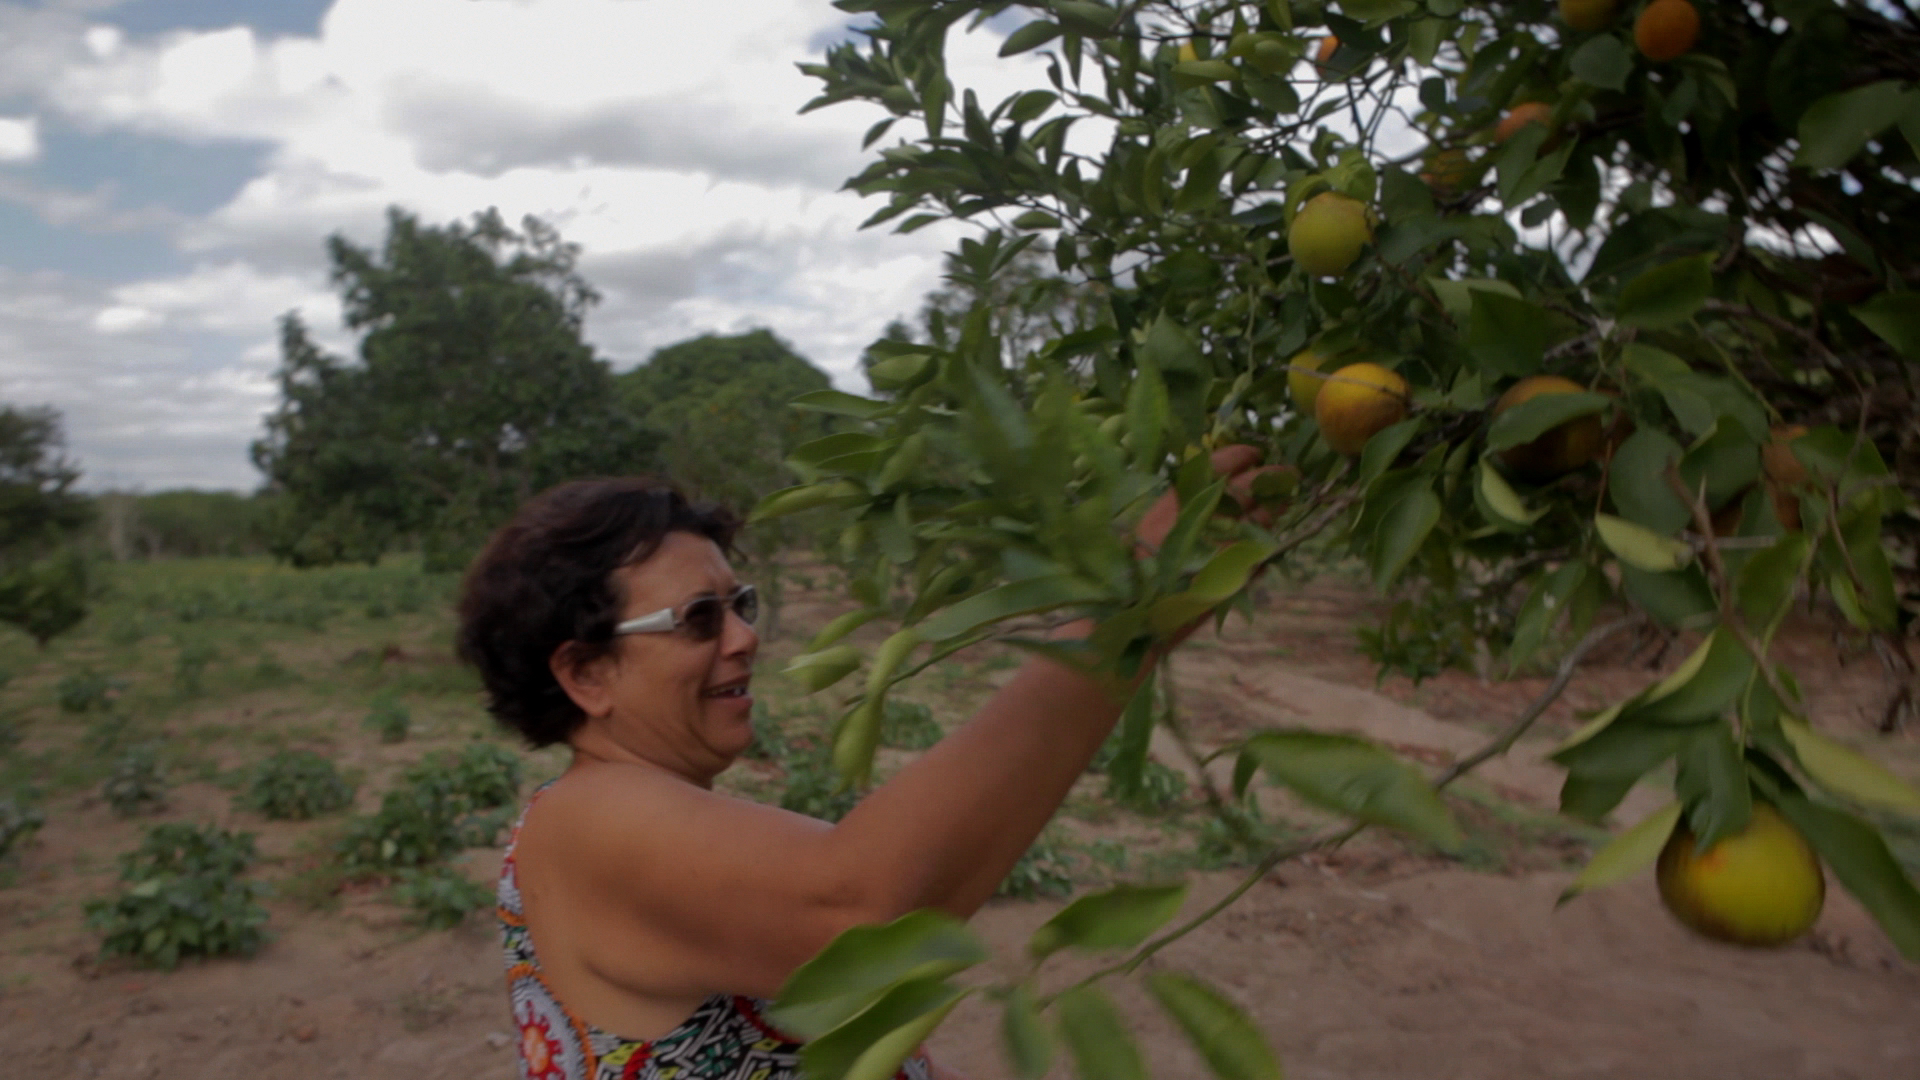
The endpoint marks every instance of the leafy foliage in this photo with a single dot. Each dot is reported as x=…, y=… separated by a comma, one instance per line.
x=390, y=719
x=909, y=725
x=472, y=390
x=813, y=788
x=440, y=897
x=137, y=785
x=1042, y=870
x=442, y=804
x=86, y=691
x=18, y=822
x=43, y=581
x=183, y=898
x=294, y=785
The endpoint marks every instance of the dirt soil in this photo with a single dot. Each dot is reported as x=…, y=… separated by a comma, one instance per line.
x=1373, y=962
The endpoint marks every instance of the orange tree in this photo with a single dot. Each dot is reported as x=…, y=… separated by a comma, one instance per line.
x=1563, y=319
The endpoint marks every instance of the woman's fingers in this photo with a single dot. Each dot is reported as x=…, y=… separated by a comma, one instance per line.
x=1235, y=462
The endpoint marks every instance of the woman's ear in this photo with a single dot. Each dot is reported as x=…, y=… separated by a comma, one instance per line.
x=589, y=682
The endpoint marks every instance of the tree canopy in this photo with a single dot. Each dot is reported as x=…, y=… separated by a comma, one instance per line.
x=42, y=578
x=472, y=390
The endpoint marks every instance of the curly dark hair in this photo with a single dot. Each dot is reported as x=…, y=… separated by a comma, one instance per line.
x=545, y=579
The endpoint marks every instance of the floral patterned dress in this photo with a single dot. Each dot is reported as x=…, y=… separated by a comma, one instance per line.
x=727, y=1038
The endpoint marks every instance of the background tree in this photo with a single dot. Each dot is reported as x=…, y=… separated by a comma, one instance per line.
x=43, y=583
x=720, y=408
x=1559, y=320
x=472, y=391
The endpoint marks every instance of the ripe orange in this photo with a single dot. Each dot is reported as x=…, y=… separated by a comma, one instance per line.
x=1533, y=112
x=1666, y=30
x=1325, y=53
x=1358, y=402
x=1588, y=15
x=1328, y=233
x=1559, y=450
x=1304, y=386
x=1447, y=170
x=1761, y=886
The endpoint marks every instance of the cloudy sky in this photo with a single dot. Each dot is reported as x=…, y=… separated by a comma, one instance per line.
x=170, y=169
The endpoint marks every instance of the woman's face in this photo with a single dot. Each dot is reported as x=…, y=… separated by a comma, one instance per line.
x=653, y=698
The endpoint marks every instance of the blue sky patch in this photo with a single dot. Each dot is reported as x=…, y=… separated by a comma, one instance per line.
x=269, y=18
x=191, y=177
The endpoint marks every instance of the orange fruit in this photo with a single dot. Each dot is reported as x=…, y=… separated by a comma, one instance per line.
x=1761, y=886
x=1533, y=112
x=1784, y=474
x=1358, y=402
x=1328, y=233
x=1666, y=30
x=1558, y=450
x=1304, y=386
x=1447, y=170
x=1325, y=52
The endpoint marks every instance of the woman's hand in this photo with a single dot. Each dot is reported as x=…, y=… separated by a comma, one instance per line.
x=1240, y=464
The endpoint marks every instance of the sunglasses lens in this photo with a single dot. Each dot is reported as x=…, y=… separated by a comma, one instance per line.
x=747, y=605
x=703, y=617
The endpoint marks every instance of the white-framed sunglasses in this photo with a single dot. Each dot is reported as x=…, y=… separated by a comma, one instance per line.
x=703, y=618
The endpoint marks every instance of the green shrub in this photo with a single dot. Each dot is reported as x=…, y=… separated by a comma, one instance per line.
x=441, y=897
x=18, y=823
x=183, y=898
x=444, y=803
x=105, y=733
x=908, y=725
x=1043, y=870
x=811, y=784
x=136, y=786
x=190, y=668
x=390, y=719
x=1159, y=789
x=86, y=691
x=294, y=785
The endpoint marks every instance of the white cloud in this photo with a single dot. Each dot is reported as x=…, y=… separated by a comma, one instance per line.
x=664, y=140
x=19, y=138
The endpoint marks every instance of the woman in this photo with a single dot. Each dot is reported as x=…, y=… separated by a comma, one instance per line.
x=605, y=616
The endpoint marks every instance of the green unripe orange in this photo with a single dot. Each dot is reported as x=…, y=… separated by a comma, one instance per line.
x=1304, y=386
x=1358, y=402
x=1328, y=233
x=1762, y=886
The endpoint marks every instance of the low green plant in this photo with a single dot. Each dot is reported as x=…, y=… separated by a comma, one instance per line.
x=183, y=897
x=86, y=691
x=390, y=719
x=908, y=725
x=1042, y=870
x=19, y=820
x=105, y=734
x=441, y=897
x=137, y=784
x=812, y=783
x=294, y=785
x=190, y=668
x=1158, y=789
x=442, y=804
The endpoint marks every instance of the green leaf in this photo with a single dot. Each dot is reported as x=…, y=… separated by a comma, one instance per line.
x=1626, y=854
x=1117, y=918
x=1603, y=62
x=1536, y=416
x=1894, y=316
x=862, y=964
x=1008, y=600
x=1029, y=37
x=1641, y=547
x=1766, y=584
x=872, y=1045
x=1402, y=531
x=1705, y=686
x=1847, y=772
x=1834, y=128
x=1030, y=105
x=1384, y=448
x=835, y=403
x=1205, y=71
x=855, y=741
x=1712, y=781
x=1668, y=294
x=1099, y=1039
x=1227, y=1039
x=1638, y=482
x=1542, y=609
x=1602, y=768
x=1858, y=856
x=1028, y=1042
x=1680, y=598
x=1224, y=575
x=1499, y=503
x=1508, y=335
x=1375, y=12
x=821, y=668
x=793, y=500
x=1148, y=415
x=1351, y=776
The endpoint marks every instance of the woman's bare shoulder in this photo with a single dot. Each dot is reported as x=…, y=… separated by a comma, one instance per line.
x=619, y=811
